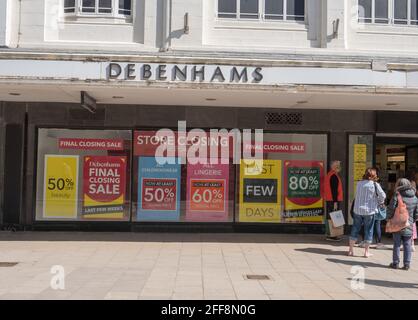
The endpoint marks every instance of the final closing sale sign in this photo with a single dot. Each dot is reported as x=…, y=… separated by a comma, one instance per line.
x=60, y=186
x=104, y=187
x=260, y=186
x=303, y=191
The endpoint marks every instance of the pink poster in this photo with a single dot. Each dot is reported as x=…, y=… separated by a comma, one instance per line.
x=207, y=192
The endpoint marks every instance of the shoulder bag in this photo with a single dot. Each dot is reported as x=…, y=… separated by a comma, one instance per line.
x=381, y=208
x=400, y=219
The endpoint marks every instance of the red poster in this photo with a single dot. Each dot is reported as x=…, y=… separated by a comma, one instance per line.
x=104, y=186
x=207, y=192
x=91, y=144
x=147, y=142
x=303, y=191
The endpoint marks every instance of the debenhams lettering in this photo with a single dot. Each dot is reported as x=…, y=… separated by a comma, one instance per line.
x=184, y=73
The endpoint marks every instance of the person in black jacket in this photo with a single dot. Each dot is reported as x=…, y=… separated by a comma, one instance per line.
x=404, y=236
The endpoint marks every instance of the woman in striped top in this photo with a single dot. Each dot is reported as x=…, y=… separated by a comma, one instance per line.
x=369, y=196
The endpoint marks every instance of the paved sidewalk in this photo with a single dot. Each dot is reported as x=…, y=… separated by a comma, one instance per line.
x=194, y=266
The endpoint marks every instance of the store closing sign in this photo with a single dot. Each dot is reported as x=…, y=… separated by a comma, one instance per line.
x=303, y=191
x=158, y=190
x=60, y=186
x=260, y=185
x=207, y=190
x=104, y=187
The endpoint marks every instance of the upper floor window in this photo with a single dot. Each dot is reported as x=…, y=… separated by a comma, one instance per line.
x=262, y=9
x=400, y=12
x=98, y=7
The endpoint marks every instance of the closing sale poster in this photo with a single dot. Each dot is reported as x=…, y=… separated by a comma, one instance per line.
x=303, y=191
x=104, y=187
x=60, y=186
x=260, y=185
x=158, y=190
x=207, y=192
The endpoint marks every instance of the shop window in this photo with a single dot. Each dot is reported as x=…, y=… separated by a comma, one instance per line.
x=83, y=179
x=180, y=192
x=288, y=186
x=263, y=10
x=112, y=8
x=395, y=12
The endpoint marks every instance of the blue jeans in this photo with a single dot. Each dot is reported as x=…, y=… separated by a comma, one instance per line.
x=367, y=222
x=407, y=249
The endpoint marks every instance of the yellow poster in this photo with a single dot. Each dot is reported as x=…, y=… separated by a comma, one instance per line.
x=260, y=196
x=359, y=169
x=60, y=186
x=360, y=153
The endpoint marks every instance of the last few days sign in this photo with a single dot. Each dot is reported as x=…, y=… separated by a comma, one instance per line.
x=260, y=194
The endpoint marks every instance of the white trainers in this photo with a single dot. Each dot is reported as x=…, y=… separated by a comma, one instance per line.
x=361, y=244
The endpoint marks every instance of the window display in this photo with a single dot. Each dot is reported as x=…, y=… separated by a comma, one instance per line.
x=180, y=191
x=288, y=188
x=83, y=178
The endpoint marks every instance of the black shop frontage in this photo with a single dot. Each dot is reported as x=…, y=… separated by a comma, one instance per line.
x=65, y=168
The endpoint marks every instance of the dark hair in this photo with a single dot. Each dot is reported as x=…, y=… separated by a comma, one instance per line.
x=370, y=174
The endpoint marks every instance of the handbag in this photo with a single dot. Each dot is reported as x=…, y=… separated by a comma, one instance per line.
x=337, y=218
x=400, y=219
x=381, y=208
x=335, y=231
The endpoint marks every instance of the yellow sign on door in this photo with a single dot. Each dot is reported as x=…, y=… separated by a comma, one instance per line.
x=260, y=191
x=360, y=153
x=60, y=186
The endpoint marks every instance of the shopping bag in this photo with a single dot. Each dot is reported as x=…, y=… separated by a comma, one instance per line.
x=400, y=219
x=335, y=231
x=337, y=218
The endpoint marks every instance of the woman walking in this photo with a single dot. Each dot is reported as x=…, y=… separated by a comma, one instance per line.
x=407, y=196
x=369, y=196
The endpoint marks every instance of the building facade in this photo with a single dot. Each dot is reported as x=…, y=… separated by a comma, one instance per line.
x=85, y=85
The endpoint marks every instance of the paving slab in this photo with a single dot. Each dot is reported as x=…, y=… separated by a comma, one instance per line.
x=180, y=266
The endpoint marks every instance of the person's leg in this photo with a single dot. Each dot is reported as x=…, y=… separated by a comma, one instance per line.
x=407, y=251
x=378, y=231
x=396, y=249
x=368, y=222
x=355, y=230
x=327, y=217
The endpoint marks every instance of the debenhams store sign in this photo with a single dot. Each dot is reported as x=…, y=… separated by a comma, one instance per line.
x=183, y=73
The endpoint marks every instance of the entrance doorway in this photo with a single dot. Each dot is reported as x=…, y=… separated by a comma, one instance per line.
x=396, y=157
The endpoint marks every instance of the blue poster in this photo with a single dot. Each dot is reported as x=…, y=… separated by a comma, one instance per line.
x=158, y=190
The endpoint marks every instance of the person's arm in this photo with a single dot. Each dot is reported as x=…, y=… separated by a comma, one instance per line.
x=416, y=212
x=390, y=210
x=334, y=187
x=381, y=195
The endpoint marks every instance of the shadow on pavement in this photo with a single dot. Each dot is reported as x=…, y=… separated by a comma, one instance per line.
x=326, y=252
x=389, y=284
x=364, y=263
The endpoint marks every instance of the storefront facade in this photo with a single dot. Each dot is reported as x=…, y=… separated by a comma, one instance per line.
x=89, y=163
x=105, y=169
